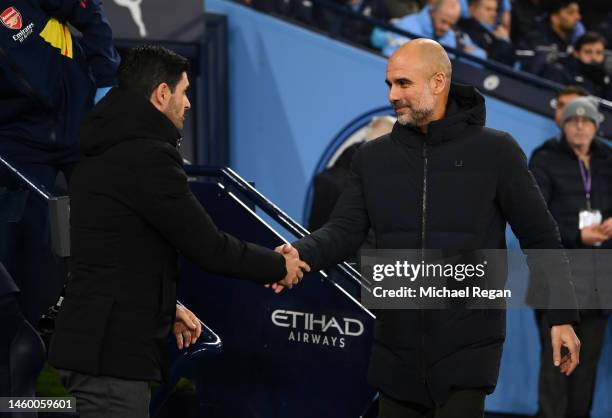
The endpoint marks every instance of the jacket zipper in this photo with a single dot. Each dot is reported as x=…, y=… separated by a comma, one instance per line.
x=423, y=236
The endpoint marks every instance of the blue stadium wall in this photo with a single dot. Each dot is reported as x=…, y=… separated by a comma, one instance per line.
x=293, y=91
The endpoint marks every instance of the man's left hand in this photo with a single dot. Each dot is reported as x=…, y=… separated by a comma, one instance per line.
x=564, y=336
x=187, y=327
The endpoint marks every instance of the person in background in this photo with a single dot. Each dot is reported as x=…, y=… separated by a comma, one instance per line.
x=435, y=21
x=573, y=173
x=401, y=8
x=585, y=67
x=565, y=96
x=526, y=16
x=48, y=80
x=555, y=39
x=328, y=184
x=503, y=13
x=483, y=29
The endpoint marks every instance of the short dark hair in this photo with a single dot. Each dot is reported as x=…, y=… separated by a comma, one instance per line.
x=577, y=90
x=145, y=67
x=555, y=5
x=590, y=38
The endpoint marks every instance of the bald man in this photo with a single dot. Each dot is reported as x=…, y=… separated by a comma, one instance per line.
x=439, y=180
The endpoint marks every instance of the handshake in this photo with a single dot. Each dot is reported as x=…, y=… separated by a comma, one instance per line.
x=294, y=266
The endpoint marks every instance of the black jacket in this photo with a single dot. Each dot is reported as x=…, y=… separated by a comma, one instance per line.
x=555, y=167
x=594, y=78
x=132, y=214
x=497, y=49
x=474, y=181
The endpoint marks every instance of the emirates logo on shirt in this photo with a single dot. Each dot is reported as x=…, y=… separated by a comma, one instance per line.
x=11, y=18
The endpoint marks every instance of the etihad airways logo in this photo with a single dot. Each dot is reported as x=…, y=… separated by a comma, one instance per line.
x=318, y=329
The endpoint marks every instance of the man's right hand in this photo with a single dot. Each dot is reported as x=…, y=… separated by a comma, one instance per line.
x=295, y=268
x=592, y=235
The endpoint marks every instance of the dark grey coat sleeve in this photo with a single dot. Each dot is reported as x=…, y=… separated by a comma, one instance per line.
x=163, y=197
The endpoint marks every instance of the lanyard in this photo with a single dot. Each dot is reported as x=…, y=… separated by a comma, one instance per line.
x=585, y=173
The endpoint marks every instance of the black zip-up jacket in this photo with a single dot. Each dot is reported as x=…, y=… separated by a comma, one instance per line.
x=453, y=188
x=555, y=168
x=132, y=213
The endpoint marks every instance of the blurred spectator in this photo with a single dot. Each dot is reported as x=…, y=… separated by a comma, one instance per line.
x=526, y=15
x=585, y=67
x=435, y=21
x=565, y=96
x=503, y=16
x=555, y=40
x=483, y=28
x=401, y=8
x=346, y=26
x=573, y=173
x=329, y=183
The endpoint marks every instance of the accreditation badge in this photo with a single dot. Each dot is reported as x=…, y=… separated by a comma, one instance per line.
x=589, y=218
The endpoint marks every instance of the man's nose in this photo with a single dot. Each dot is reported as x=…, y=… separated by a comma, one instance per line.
x=393, y=94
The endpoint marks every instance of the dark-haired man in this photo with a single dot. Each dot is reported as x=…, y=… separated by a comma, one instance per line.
x=557, y=37
x=584, y=67
x=132, y=214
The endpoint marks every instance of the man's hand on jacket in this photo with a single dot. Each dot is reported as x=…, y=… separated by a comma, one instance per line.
x=564, y=336
x=187, y=327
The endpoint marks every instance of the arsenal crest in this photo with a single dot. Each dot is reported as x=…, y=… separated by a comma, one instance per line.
x=11, y=18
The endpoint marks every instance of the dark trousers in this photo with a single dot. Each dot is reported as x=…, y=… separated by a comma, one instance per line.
x=563, y=396
x=467, y=403
x=24, y=239
x=107, y=397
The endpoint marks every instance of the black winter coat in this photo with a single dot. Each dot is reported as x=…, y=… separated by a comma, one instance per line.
x=132, y=214
x=453, y=188
x=555, y=167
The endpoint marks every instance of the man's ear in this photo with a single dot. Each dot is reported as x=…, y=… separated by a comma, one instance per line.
x=438, y=83
x=160, y=96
